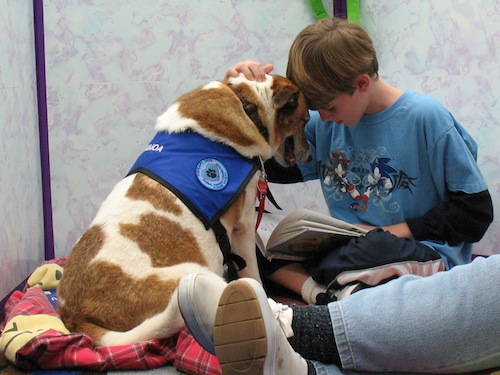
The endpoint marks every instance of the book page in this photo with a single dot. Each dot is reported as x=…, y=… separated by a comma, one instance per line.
x=306, y=244
x=268, y=224
x=315, y=218
x=287, y=232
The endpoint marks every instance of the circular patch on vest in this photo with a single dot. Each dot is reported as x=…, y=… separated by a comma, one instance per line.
x=212, y=174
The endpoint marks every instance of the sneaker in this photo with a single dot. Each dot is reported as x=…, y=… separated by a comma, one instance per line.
x=349, y=289
x=332, y=295
x=326, y=297
x=198, y=295
x=248, y=338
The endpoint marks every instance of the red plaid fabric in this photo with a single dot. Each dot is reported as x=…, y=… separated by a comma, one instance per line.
x=56, y=350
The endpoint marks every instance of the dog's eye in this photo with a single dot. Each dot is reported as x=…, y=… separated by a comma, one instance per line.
x=249, y=107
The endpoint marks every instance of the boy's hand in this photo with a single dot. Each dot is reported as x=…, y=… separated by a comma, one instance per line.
x=252, y=70
x=399, y=230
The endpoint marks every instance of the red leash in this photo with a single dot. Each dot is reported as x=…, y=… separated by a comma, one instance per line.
x=262, y=189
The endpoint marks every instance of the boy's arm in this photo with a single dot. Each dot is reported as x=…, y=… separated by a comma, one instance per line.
x=465, y=218
x=399, y=230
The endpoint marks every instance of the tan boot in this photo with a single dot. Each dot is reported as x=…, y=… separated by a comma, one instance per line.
x=248, y=337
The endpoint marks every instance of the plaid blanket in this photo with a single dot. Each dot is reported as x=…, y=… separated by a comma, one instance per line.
x=35, y=337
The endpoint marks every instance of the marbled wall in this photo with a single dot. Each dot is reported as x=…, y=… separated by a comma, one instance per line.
x=113, y=67
x=21, y=233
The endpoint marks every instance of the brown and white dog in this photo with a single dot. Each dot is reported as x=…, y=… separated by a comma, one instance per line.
x=119, y=284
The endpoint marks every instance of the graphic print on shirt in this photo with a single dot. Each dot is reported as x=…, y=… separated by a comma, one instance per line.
x=364, y=178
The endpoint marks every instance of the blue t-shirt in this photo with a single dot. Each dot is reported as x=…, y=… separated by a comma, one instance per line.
x=394, y=165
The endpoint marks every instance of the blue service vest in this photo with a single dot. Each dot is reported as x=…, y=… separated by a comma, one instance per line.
x=206, y=176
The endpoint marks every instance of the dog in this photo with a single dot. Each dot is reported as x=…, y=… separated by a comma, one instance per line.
x=120, y=280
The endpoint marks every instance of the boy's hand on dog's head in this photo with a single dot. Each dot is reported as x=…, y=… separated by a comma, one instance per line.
x=252, y=70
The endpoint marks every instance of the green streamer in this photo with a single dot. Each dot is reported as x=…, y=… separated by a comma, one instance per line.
x=318, y=9
x=353, y=11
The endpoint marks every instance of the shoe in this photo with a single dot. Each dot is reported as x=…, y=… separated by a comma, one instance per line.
x=332, y=295
x=248, y=338
x=326, y=297
x=349, y=289
x=198, y=296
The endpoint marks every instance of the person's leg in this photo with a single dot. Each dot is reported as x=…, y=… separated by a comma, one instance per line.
x=447, y=322
x=291, y=276
x=373, y=259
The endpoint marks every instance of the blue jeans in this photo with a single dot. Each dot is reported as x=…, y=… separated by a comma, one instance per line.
x=448, y=322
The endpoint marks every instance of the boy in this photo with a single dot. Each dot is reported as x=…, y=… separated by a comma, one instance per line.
x=392, y=161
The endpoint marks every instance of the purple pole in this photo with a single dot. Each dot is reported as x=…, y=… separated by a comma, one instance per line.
x=340, y=9
x=41, y=87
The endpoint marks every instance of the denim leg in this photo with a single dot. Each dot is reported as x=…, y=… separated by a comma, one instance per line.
x=448, y=322
x=322, y=369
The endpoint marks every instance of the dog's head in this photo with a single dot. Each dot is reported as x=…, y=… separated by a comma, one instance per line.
x=279, y=111
x=263, y=119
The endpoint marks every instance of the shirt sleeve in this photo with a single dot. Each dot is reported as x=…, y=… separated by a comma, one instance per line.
x=282, y=175
x=464, y=218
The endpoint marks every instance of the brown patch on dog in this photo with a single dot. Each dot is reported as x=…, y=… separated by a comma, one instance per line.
x=134, y=300
x=159, y=237
x=292, y=122
x=193, y=105
x=93, y=284
x=146, y=189
x=69, y=289
x=291, y=117
x=251, y=110
x=84, y=251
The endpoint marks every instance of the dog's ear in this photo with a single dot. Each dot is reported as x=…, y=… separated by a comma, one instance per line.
x=287, y=98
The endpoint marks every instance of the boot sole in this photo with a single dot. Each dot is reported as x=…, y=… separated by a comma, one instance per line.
x=240, y=334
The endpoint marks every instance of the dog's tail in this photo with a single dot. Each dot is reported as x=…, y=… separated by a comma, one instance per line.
x=163, y=325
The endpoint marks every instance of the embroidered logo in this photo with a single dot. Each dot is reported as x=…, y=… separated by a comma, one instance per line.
x=212, y=174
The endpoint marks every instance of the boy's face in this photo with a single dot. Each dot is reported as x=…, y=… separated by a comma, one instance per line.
x=345, y=109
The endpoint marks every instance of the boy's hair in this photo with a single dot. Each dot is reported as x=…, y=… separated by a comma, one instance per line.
x=326, y=57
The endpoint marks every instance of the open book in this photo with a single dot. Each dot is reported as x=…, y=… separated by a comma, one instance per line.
x=302, y=234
